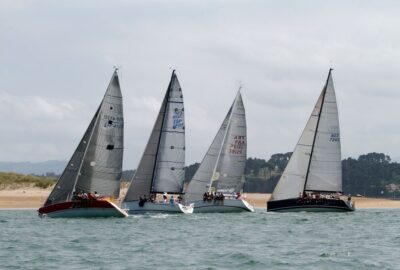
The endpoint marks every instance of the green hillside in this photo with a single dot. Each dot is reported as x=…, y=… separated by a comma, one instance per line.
x=15, y=180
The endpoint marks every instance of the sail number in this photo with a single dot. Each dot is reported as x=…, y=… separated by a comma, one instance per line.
x=112, y=121
x=238, y=145
x=335, y=137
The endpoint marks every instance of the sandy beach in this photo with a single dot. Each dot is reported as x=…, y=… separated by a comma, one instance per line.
x=34, y=197
x=23, y=198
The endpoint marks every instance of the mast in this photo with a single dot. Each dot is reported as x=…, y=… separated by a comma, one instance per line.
x=161, y=129
x=223, y=141
x=316, y=130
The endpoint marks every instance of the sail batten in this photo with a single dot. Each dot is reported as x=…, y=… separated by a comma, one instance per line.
x=316, y=161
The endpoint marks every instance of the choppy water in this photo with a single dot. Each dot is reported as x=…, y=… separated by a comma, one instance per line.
x=365, y=239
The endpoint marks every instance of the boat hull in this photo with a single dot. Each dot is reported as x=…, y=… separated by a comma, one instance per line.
x=310, y=205
x=225, y=206
x=149, y=207
x=95, y=208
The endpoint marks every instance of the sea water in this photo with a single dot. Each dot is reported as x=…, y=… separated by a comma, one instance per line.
x=365, y=239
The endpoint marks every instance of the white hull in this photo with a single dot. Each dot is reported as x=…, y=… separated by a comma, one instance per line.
x=148, y=207
x=226, y=206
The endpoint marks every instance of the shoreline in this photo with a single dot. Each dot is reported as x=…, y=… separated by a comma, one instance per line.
x=33, y=198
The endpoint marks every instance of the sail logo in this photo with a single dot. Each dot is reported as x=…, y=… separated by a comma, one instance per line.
x=177, y=119
x=238, y=145
x=335, y=137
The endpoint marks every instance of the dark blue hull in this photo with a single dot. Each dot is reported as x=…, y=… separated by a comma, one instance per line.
x=310, y=205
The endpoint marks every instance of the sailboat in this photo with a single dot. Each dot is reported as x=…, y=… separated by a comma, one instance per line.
x=92, y=175
x=312, y=179
x=217, y=182
x=161, y=169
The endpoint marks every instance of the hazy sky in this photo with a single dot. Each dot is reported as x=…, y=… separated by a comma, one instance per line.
x=57, y=58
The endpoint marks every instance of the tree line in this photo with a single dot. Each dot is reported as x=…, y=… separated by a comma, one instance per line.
x=372, y=174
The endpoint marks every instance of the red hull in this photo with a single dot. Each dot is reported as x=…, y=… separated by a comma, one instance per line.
x=90, y=208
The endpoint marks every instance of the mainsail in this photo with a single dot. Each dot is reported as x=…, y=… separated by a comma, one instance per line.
x=96, y=164
x=161, y=168
x=315, y=164
x=224, y=163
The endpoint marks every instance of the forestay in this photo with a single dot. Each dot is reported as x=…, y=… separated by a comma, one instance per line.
x=320, y=141
x=224, y=163
x=161, y=168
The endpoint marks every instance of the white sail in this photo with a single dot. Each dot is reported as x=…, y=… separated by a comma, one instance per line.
x=301, y=173
x=225, y=160
x=229, y=173
x=96, y=164
x=169, y=173
x=325, y=172
x=161, y=168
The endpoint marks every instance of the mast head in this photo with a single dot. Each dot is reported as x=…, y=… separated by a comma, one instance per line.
x=173, y=69
x=173, y=74
x=240, y=86
x=115, y=73
x=238, y=93
x=330, y=72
